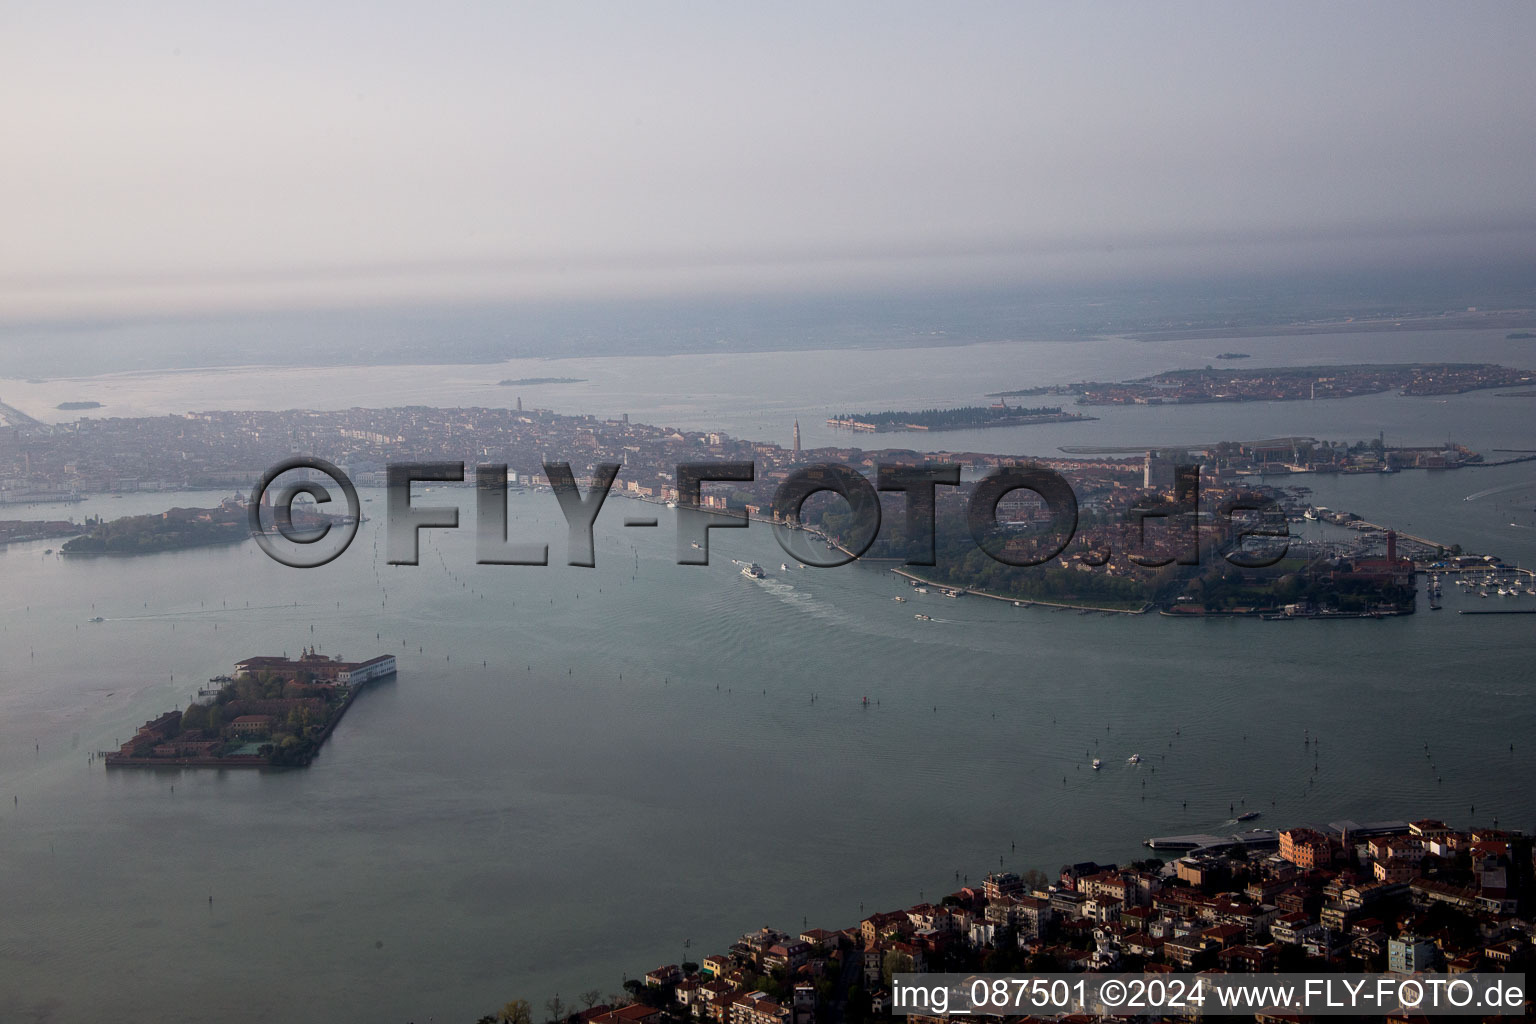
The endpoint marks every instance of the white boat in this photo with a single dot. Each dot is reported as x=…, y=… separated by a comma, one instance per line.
x=671, y=504
x=899, y=600
x=1134, y=759
x=919, y=590
x=1097, y=764
x=754, y=571
x=783, y=567
x=923, y=618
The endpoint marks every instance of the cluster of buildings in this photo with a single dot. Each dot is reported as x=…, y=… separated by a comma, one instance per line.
x=1277, y=384
x=267, y=698
x=1400, y=897
x=311, y=668
x=15, y=531
x=234, y=448
x=1307, y=455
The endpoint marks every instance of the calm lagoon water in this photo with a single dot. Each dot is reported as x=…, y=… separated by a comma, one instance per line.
x=577, y=770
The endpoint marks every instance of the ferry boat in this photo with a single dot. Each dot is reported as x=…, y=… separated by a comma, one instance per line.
x=754, y=571
x=216, y=688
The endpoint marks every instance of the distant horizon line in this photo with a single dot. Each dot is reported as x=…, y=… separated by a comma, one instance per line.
x=1404, y=257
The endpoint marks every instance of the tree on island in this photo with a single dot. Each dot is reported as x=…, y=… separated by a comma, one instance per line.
x=195, y=718
x=298, y=720
x=516, y=1012
x=206, y=720
x=896, y=962
x=857, y=1009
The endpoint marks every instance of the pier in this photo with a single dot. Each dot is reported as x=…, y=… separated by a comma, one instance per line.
x=14, y=417
x=1496, y=611
x=1256, y=837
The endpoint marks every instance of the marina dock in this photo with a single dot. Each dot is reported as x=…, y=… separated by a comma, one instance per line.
x=1255, y=837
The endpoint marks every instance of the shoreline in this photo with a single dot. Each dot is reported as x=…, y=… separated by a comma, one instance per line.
x=119, y=760
x=1086, y=608
x=1021, y=601
x=862, y=427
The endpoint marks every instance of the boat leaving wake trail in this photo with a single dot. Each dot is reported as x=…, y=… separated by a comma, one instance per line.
x=1499, y=490
x=188, y=612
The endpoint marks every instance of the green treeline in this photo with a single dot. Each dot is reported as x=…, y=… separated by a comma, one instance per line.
x=135, y=534
x=938, y=419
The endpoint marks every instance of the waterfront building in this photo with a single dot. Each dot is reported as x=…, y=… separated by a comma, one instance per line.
x=1409, y=954
x=252, y=725
x=1305, y=847
x=1002, y=883
x=318, y=667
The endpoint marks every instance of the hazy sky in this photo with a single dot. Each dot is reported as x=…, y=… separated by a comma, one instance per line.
x=183, y=156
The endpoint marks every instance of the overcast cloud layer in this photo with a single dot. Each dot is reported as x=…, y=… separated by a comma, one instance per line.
x=165, y=157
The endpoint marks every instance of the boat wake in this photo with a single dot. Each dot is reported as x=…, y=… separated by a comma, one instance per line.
x=187, y=613
x=1504, y=489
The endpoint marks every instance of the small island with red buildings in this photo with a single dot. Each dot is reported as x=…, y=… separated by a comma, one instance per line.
x=273, y=712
